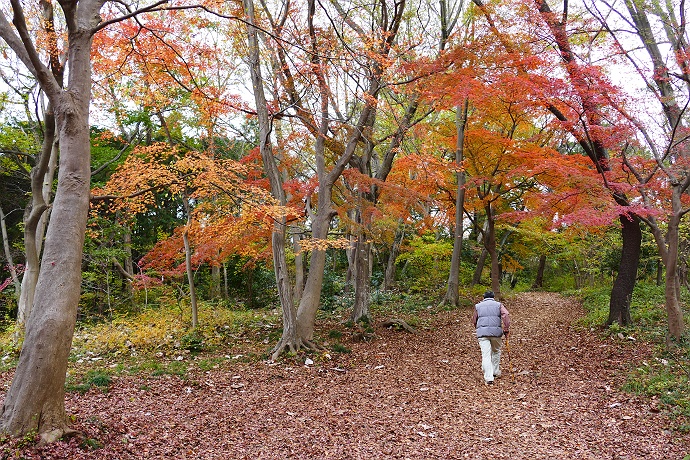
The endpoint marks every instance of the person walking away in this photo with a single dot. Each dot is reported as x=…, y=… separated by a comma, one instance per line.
x=492, y=321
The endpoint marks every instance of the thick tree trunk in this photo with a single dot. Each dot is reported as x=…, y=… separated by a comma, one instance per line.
x=360, y=308
x=621, y=293
x=35, y=400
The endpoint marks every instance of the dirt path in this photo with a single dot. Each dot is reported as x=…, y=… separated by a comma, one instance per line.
x=400, y=397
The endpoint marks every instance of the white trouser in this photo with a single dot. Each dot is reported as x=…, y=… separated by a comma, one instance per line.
x=491, y=356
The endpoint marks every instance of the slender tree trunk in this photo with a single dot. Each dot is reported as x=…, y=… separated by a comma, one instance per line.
x=36, y=218
x=389, y=276
x=215, y=281
x=225, y=281
x=674, y=312
x=621, y=293
x=289, y=337
x=299, y=264
x=539, y=281
x=129, y=262
x=477, y=277
x=8, y=256
x=452, y=294
x=493, y=253
x=188, y=266
x=351, y=254
x=311, y=297
x=360, y=308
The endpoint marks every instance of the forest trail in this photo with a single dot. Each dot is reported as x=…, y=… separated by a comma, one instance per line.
x=402, y=396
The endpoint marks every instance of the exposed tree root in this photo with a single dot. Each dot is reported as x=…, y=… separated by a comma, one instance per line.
x=398, y=324
x=293, y=346
x=49, y=437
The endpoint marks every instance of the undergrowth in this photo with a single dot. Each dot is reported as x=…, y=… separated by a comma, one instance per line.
x=157, y=341
x=666, y=376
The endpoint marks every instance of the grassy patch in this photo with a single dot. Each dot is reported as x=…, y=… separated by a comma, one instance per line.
x=666, y=376
x=340, y=348
x=92, y=378
x=178, y=368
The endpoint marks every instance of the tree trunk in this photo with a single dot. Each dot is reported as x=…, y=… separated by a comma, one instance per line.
x=477, y=277
x=225, y=281
x=491, y=248
x=674, y=312
x=190, y=272
x=8, y=256
x=621, y=293
x=311, y=297
x=35, y=400
x=36, y=218
x=539, y=281
x=215, y=281
x=360, y=308
x=299, y=264
x=129, y=262
x=389, y=276
x=289, y=337
x=452, y=294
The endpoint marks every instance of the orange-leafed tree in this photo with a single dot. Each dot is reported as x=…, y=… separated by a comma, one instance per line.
x=576, y=93
x=35, y=400
x=314, y=72
x=225, y=207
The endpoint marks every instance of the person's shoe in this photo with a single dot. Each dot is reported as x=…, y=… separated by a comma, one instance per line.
x=497, y=376
x=488, y=382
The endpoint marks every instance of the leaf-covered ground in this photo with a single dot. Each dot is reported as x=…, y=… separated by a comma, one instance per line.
x=401, y=396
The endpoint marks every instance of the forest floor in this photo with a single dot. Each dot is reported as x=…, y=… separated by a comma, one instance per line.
x=400, y=396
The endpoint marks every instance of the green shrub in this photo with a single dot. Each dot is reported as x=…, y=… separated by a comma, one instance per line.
x=340, y=348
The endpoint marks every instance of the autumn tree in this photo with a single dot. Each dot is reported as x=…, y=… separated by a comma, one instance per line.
x=662, y=174
x=35, y=400
x=311, y=98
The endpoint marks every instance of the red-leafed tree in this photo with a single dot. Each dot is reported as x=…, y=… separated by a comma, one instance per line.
x=658, y=158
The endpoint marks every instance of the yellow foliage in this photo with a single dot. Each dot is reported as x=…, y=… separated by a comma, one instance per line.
x=163, y=328
x=311, y=244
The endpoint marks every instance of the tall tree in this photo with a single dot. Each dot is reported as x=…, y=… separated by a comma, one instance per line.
x=668, y=83
x=289, y=338
x=35, y=400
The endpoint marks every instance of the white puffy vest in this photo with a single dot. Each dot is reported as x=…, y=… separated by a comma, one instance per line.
x=489, y=318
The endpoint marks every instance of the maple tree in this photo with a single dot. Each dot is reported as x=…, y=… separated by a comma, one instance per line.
x=50, y=325
x=658, y=167
x=332, y=153
x=226, y=209
x=578, y=102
